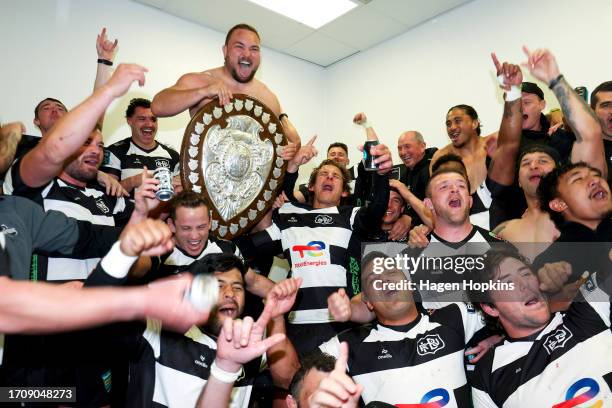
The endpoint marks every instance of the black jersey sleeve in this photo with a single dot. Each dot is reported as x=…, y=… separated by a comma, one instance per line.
x=369, y=217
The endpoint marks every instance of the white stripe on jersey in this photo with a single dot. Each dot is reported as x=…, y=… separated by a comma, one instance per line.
x=392, y=387
x=68, y=268
x=289, y=208
x=586, y=360
x=179, y=258
x=408, y=385
x=174, y=388
x=310, y=316
x=482, y=218
x=569, y=357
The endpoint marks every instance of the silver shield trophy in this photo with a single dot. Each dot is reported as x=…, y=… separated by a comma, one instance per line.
x=230, y=154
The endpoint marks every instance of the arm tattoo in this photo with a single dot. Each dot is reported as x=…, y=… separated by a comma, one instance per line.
x=509, y=107
x=564, y=93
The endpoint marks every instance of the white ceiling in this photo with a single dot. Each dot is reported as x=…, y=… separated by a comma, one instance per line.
x=371, y=23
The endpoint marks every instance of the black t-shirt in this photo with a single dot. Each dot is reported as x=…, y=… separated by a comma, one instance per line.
x=585, y=249
x=561, y=140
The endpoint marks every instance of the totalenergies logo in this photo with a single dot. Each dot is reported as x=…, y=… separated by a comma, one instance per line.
x=313, y=248
x=588, y=389
x=440, y=395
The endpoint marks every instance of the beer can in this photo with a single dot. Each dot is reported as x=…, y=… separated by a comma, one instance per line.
x=204, y=292
x=165, y=191
x=368, y=159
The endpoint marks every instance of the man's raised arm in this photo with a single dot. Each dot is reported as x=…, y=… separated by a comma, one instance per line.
x=46, y=160
x=581, y=118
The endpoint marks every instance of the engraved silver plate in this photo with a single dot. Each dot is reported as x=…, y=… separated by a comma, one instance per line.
x=231, y=155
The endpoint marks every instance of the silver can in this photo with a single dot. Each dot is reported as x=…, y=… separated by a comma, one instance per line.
x=204, y=292
x=165, y=191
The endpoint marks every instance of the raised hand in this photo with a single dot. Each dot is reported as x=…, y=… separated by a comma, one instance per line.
x=288, y=151
x=417, y=237
x=144, y=197
x=105, y=48
x=337, y=389
x=360, y=118
x=542, y=64
x=382, y=156
x=339, y=306
x=240, y=341
x=123, y=77
x=303, y=156
x=511, y=73
x=281, y=298
x=553, y=276
x=148, y=237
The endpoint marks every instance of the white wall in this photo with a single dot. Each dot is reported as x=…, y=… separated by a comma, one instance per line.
x=48, y=49
x=410, y=82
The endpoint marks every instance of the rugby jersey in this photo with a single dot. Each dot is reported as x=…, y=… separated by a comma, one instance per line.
x=178, y=260
x=481, y=202
x=476, y=243
x=125, y=159
x=316, y=242
x=85, y=204
x=171, y=369
x=567, y=364
x=418, y=363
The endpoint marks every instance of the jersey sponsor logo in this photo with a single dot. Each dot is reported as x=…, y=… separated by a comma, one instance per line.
x=102, y=206
x=292, y=219
x=574, y=398
x=557, y=339
x=430, y=344
x=435, y=398
x=470, y=307
x=314, y=249
x=324, y=220
x=384, y=353
x=8, y=230
x=162, y=163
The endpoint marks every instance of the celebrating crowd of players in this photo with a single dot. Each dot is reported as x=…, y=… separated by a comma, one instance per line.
x=94, y=271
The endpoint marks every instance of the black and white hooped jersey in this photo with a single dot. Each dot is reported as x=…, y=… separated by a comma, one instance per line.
x=567, y=364
x=315, y=242
x=449, y=262
x=177, y=260
x=171, y=369
x=413, y=364
x=85, y=204
x=125, y=159
x=481, y=202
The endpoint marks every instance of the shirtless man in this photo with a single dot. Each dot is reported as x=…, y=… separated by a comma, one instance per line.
x=463, y=128
x=241, y=54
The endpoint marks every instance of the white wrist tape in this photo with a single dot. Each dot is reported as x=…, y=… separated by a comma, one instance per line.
x=366, y=124
x=116, y=263
x=224, y=376
x=513, y=94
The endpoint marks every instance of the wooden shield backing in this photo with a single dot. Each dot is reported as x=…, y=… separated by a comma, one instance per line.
x=224, y=156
